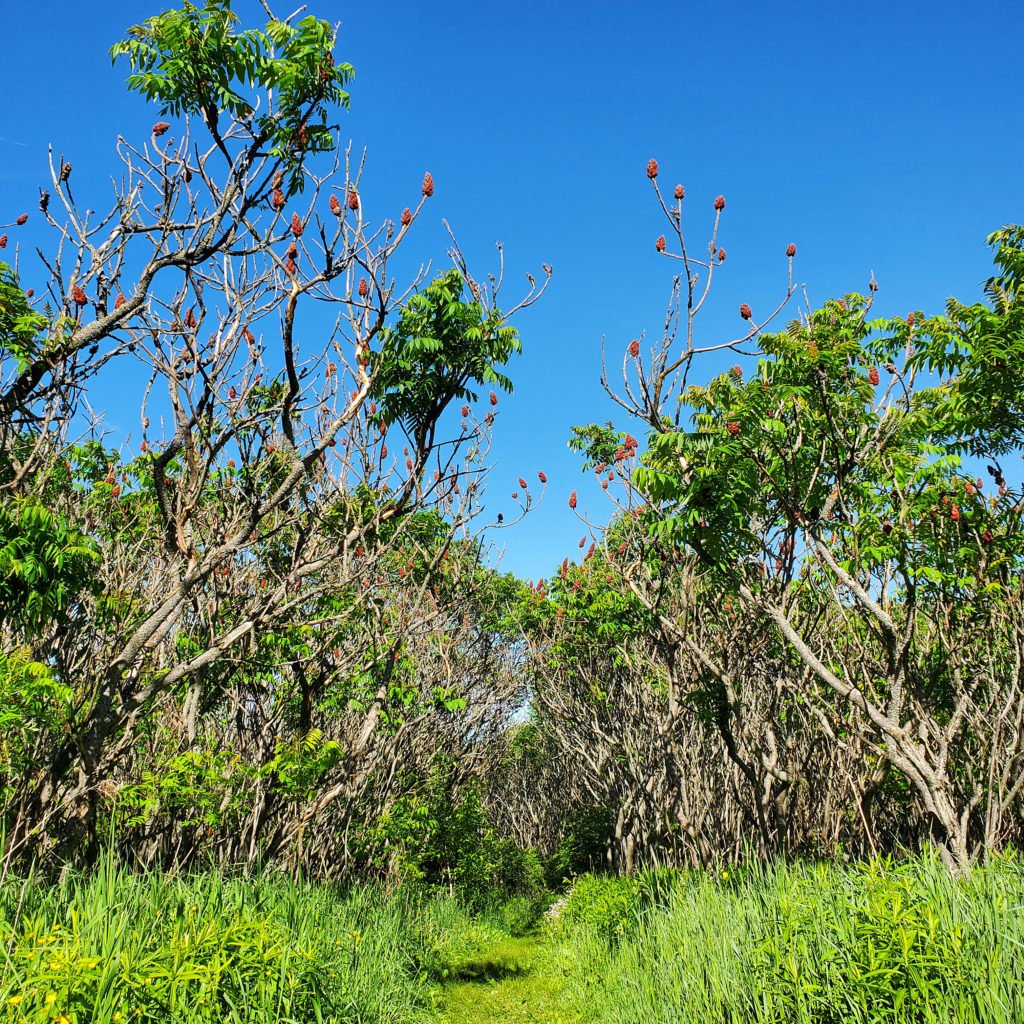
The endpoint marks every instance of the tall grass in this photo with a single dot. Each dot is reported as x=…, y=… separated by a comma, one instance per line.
x=115, y=946
x=881, y=943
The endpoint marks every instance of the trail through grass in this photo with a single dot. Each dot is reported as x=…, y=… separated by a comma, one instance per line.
x=514, y=980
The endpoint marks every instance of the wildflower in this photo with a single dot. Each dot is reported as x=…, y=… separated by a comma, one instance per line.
x=720, y=203
x=652, y=169
x=791, y=250
x=659, y=243
x=51, y=998
x=15, y=1000
x=745, y=311
x=428, y=184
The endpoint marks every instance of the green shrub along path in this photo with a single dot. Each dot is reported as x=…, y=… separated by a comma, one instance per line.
x=514, y=980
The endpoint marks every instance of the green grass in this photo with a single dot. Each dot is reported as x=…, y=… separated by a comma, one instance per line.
x=511, y=981
x=882, y=943
x=118, y=947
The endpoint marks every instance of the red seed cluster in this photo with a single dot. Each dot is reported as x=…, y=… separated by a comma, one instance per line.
x=289, y=265
x=336, y=206
x=493, y=398
x=873, y=376
x=160, y=128
x=652, y=169
x=79, y=296
x=353, y=200
x=523, y=484
x=3, y=241
x=745, y=311
x=791, y=250
x=465, y=411
x=364, y=288
x=22, y=218
x=428, y=184
x=954, y=513
x=406, y=217
x=296, y=226
x=660, y=243
x=680, y=192
x=277, y=199
x=721, y=255
x=542, y=476
x=572, y=500
x=720, y=203
x=733, y=427
x=910, y=319
x=634, y=348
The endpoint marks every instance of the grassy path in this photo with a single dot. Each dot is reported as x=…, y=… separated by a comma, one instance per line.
x=512, y=982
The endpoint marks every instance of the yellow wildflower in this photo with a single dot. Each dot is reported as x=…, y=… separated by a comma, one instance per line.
x=51, y=997
x=14, y=1000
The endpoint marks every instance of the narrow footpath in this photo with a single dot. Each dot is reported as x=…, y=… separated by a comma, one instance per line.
x=513, y=982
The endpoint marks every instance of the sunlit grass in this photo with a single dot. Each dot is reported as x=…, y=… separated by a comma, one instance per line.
x=817, y=944
x=114, y=946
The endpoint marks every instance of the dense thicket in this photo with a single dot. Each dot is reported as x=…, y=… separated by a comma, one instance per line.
x=259, y=627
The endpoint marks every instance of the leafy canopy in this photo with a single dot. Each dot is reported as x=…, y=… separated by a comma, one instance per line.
x=194, y=61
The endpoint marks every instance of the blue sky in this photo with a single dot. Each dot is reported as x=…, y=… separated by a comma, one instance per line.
x=879, y=137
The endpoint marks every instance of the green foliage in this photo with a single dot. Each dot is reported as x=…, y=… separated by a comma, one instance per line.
x=20, y=325
x=113, y=947
x=46, y=564
x=194, y=61
x=438, y=352
x=606, y=905
x=880, y=943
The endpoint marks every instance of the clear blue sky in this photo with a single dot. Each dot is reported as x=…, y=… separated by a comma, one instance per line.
x=874, y=136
